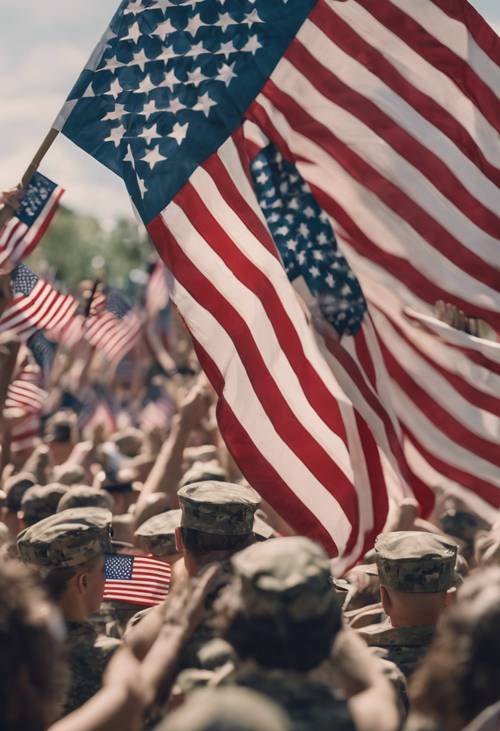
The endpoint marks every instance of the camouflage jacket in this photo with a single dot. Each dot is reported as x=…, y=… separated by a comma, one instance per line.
x=88, y=655
x=310, y=705
x=112, y=618
x=405, y=646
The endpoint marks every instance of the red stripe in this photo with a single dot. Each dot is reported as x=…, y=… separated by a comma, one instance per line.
x=256, y=469
x=475, y=397
x=438, y=415
x=485, y=490
x=408, y=146
x=393, y=197
x=438, y=56
x=346, y=38
x=483, y=34
x=274, y=403
x=401, y=268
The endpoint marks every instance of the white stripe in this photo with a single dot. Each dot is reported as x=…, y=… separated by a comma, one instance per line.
x=374, y=150
x=438, y=443
x=8, y=245
x=252, y=311
x=422, y=75
x=381, y=224
x=479, y=421
x=454, y=35
x=242, y=399
x=440, y=483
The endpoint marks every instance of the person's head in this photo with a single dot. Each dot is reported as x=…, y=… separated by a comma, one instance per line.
x=226, y=709
x=200, y=471
x=40, y=501
x=461, y=674
x=60, y=436
x=68, y=550
x=281, y=609
x=82, y=496
x=122, y=487
x=129, y=441
x=15, y=489
x=69, y=474
x=32, y=671
x=157, y=536
x=416, y=571
x=216, y=521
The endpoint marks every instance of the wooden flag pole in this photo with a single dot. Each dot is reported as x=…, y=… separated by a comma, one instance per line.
x=6, y=212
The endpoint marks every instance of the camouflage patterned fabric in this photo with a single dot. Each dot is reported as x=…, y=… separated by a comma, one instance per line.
x=289, y=576
x=220, y=508
x=41, y=501
x=88, y=654
x=82, y=496
x=203, y=471
x=415, y=561
x=157, y=534
x=405, y=646
x=112, y=618
x=67, y=539
x=310, y=705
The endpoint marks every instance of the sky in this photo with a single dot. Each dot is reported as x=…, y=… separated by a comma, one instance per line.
x=43, y=47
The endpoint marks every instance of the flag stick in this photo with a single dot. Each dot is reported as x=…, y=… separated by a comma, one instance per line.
x=6, y=212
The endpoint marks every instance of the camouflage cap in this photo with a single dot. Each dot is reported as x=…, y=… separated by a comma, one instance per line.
x=220, y=508
x=83, y=496
x=69, y=474
x=67, y=539
x=60, y=427
x=157, y=534
x=288, y=576
x=201, y=471
x=415, y=561
x=41, y=501
x=128, y=441
x=16, y=487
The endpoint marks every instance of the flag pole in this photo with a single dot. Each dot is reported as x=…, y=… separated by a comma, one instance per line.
x=6, y=212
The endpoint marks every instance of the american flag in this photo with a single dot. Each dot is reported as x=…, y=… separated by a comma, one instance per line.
x=387, y=110
x=96, y=409
x=136, y=579
x=25, y=391
x=23, y=232
x=112, y=327
x=35, y=305
x=158, y=410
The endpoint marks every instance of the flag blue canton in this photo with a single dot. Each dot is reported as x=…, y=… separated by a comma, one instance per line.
x=170, y=82
x=306, y=241
x=23, y=280
x=116, y=302
x=38, y=192
x=118, y=567
x=43, y=350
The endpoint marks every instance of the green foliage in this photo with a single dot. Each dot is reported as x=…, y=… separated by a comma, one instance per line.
x=73, y=242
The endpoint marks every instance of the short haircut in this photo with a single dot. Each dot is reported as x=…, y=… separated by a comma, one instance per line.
x=198, y=542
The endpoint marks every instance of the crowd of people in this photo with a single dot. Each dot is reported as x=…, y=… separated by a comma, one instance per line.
x=255, y=632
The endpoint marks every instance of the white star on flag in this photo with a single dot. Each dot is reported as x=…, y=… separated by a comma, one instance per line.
x=149, y=133
x=226, y=73
x=252, y=45
x=163, y=29
x=116, y=134
x=204, y=104
x=179, y=132
x=116, y=113
x=146, y=85
x=154, y=156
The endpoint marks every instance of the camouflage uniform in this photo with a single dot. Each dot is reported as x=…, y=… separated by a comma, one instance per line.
x=289, y=580
x=157, y=535
x=69, y=540
x=82, y=496
x=411, y=562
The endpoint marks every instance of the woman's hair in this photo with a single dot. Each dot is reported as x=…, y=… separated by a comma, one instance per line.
x=460, y=675
x=33, y=675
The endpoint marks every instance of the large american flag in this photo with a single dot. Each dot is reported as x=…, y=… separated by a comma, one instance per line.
x=388, y=111
x=35, y=305
x=136, y=579
x=20, y=235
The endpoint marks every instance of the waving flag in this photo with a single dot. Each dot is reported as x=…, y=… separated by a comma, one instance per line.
x=35, y=305
x=23, y=232
x=389, y=117
x=112, y=327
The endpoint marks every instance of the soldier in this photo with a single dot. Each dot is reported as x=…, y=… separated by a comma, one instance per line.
x=82, y=496
x=15, y=488
x=68, y=549
x=41, y=501
x=282, y=615
x=416, y=570
x=157, y=536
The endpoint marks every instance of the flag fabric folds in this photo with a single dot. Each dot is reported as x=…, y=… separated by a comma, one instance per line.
x=136, y=579
x=398, y=151
x=20, y=235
